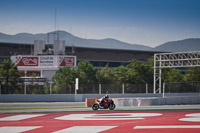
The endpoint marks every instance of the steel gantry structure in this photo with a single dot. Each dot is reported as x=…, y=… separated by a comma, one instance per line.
x=173, y=60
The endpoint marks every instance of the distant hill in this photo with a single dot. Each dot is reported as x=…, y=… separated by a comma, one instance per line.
x=70, y=40
x=192, y=44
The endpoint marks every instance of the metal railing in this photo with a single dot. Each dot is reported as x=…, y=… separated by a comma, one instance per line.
x=83, y=89
x=47, y=88
x=182, y=87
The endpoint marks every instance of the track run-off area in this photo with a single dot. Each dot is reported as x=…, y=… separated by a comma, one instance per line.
x=102, y=122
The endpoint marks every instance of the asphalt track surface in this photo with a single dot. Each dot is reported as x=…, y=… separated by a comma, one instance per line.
x=79, y=107
x=102, y=122
x=73, y=117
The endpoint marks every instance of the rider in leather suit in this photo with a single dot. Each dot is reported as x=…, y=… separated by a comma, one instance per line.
x=102, y=99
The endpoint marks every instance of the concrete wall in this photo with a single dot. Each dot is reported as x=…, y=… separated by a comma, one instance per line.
x=122, y=102
x=63, y=97
x=120, y=99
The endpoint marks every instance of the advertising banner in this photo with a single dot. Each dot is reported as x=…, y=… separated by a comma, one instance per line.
x=47, y=61
x=44, y=61
x=26, y=61
x=67, y=61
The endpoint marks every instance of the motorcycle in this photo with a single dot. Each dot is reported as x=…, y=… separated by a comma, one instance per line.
x=107, y=104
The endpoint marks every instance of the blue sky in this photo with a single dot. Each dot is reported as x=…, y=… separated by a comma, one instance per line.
x=147, y=22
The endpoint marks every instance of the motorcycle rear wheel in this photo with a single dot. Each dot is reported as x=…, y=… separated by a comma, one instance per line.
x=95, y=106
x=111, y=106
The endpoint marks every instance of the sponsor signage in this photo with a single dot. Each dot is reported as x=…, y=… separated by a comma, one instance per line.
x=47, y=61
x=27, y=61
x=67, y=61
x=44, y=61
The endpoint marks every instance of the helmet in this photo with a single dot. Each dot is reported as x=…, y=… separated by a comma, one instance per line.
x=106, y=96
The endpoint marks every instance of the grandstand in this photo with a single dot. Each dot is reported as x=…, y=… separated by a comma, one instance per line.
x=99, y=57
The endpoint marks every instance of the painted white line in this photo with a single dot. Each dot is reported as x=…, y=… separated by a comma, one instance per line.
x=92, y=117
x=17, y=129
x=190, y=119
x=85, y=129
x=195, y=117
x=130, y=114
x=108, y=116
x=19, y=117
x=174, y=126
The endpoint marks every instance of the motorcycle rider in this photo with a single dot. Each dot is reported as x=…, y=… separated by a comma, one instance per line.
x=106, y=97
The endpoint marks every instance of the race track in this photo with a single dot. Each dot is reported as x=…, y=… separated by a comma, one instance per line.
x=19, y=107
x=104, y=122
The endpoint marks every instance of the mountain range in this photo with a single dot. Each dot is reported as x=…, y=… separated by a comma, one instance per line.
x=191, y=44
x=71, y=40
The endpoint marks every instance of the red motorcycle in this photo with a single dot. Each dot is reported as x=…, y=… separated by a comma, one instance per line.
x=107, y=103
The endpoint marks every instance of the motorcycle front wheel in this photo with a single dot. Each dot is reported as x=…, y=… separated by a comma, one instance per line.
x=95, y=106
x=111, y=106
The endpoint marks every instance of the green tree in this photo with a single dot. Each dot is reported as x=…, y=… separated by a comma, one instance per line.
x=192, y=75
x=139, y=72
x=63, y=80
x=120, y=74
x=10, y=76
x=172, y=75
x=151, y=62
x=86, y=73
x=105, y=75
x=46, y=88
